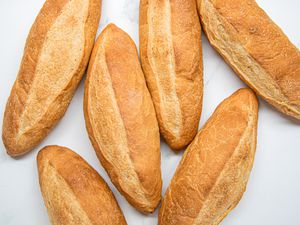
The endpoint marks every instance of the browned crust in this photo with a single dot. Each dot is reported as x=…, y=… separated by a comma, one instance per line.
x=19, y=93
x=272, y=64
x=213, y=173
x=90, y=190
x=186, y=46
x=137, y=117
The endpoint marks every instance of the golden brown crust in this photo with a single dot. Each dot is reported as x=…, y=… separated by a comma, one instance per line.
x=52, y=66
x=213, y=173
x=256, y=48
x=74, y=193
x=121, y=121
x=171, y=54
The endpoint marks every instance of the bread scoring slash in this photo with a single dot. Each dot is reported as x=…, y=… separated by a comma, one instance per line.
x=120, y=119
x=213, y=173
x=55, y=57
x=256, y=49
x=171, y=55
x=74, y=193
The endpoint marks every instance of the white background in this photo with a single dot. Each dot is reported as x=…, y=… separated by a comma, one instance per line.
x=273, y=193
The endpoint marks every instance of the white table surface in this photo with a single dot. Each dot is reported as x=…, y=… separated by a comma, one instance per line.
x=273, y=193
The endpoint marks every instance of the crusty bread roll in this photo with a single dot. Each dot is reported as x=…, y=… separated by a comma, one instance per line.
x=121, y=121
x=74, y=193
x=55, y=57
x=257, y=50
x=171, y=54
x=213, y=173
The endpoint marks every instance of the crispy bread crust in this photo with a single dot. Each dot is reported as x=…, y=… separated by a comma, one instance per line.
x=120, y=119
x=257, y=50
x=51, y=69
x=171, y=54
x=74, y=193
x=213, y=173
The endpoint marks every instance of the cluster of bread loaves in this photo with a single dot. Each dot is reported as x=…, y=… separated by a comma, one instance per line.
x=127, y=105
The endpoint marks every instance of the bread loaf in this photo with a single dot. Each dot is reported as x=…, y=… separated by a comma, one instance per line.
x=121, y=121
x=171, y=54
x=73, y=191
x=56, y=54
x=257, y=50
x=213, y=173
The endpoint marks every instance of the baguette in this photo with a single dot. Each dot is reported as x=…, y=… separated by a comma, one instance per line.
x=213, y=173
x=74, y=193
x=55, y=57
x=120, y=119
x=257, y=50
x=171, y=54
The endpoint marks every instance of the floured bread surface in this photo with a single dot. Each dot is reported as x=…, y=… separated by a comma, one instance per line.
x=257, y=50
x=73, y=192
x=55, y=57
x=170, y=44
x=121, y=121
x=213, y=173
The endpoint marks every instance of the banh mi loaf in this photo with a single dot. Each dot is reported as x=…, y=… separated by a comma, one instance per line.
x=171, y=54
x=56, y=54
x=257, y=50
x=74, y=193
x=120, y=119
x=213, y=173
